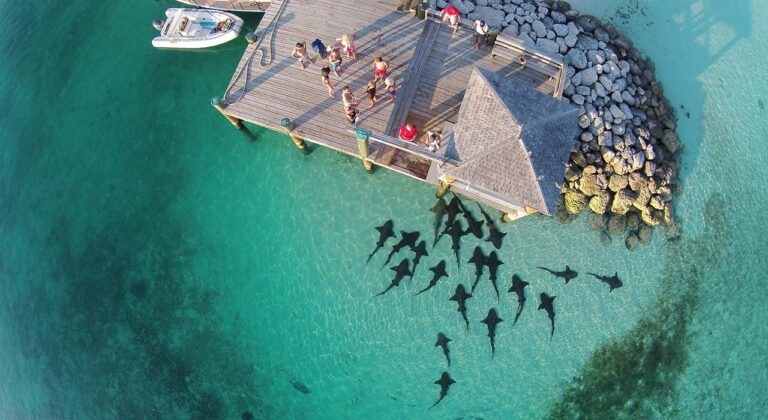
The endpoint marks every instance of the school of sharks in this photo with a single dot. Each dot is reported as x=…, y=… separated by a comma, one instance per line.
x=453, y=228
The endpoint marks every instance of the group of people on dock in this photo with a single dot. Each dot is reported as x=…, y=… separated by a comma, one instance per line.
x=335, y=56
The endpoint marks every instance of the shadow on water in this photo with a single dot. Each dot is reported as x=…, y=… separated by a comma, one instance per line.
x=635, y=376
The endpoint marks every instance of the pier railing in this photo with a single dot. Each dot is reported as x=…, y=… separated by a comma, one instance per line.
x=364, y=135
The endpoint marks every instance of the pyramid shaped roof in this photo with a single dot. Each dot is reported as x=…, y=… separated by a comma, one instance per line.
x=513, y=140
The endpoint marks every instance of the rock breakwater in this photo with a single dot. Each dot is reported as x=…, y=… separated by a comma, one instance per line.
x=625, y=165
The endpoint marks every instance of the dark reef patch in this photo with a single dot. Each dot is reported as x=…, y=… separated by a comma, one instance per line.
x=635, y=376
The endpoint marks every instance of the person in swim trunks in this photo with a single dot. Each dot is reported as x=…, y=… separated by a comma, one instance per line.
x=379, y=69
x=336, y=62
x=347, y=40
x=300, y=53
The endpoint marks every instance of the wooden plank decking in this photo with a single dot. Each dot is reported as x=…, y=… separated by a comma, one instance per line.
x=268, y=84
x=282, y=89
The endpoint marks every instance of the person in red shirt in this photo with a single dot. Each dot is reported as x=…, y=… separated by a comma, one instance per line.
x=451, y=15
x=408, y=132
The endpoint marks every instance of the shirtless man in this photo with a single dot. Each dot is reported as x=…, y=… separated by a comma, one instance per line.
x=349, y=98
x=379, y=69
x=335, y=59
x=300, y=53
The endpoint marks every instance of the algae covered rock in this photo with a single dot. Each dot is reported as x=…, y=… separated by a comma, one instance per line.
x=599, y=202
x=632, y=241
x=618, y=182
x=617, y=224
x=652, y=217
x=645, y=234
x=622, y=201
x=575, y=201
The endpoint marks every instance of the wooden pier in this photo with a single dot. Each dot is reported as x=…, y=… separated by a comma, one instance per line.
x=429, y=63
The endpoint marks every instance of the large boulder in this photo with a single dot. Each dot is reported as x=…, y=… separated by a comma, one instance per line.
x=577, y=58
x=548, y=45
x=632, y=241
x=464, y=6
x=671, y=140
x=618, y=182
x=617, y=224
x=588, y=76
x=492, y=16
x=643, y=198
x=600, y=202
x=645, y=233
x=637, y=181
x=652, y=217
x=588, y=184
x=622, y=201
x=575, y=202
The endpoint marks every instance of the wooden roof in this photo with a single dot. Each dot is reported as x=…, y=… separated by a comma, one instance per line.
x=513, y=140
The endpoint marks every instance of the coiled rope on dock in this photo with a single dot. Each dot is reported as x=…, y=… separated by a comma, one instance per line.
x=266, y=60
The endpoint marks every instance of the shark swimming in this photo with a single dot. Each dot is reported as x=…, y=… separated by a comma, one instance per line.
x=613, y=281
x=495, y=236
x=478, y=259
x=439, y=210
x=473, y=225
x=493, y=264
x=518, y=286
x=445, y=383
x=407, y=239
x=456, y=233
x=419, y=250
x=438, y=272
x=567, y=274
x=385, y=232
x=547, y=303
x=401, y=270
x=492, y=320
x=442, y=342
x=461, y=296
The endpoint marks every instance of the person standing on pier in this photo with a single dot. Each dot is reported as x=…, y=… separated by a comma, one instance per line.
x=335, y=59
x=371, y=94
x=351, y=114
x=379, y=69
x=300, y=53
x=325, y=73
x=391, y=89
x=347, y=41
x=479, y=33
x=349, y=98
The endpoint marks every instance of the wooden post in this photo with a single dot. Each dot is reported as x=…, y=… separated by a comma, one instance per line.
x=444, y=185
x=216, y=102
x=287, y=125
x=363, y=147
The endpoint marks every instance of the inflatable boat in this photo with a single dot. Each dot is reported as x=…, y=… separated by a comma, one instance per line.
x=196, y=28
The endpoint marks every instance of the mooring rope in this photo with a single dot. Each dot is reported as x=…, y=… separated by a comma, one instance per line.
x=258, y=48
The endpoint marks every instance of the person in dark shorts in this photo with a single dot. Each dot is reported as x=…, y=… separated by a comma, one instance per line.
x=371, y=93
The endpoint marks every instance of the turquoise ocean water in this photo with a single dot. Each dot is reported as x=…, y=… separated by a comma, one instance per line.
x=157, y=263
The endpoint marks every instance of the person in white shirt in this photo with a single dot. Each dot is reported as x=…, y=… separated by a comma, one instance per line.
x=433, y=141
x=479, y=32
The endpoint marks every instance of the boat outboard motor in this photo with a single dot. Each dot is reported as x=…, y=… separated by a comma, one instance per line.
x=158, y=24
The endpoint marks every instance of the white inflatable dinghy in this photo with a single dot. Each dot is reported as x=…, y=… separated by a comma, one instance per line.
x=196, y=28
x=232, y=5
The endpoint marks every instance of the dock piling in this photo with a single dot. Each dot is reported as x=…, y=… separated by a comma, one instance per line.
x=444, y=186
x=363, y=147
x=287, y=125
x=216, y=102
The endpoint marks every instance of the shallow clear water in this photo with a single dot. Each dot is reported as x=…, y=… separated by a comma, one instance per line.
x=155, y=262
